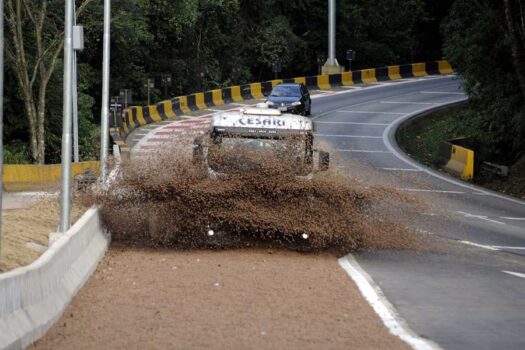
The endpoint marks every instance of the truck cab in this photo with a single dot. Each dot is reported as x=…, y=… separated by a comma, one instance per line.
x=261, y=132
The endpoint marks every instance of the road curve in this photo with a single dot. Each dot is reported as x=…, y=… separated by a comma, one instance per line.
x=470, y=294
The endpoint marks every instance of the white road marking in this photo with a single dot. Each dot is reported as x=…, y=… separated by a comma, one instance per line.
x=388, y=84
x=375, y=297
x=508, y=247
x=401, y=169
x=368, y=112
x=510, y=218
x=189, y=116
x=407, y=160
x=429, y=191
x=480, y=217
x=477, y=245
x=408, y=103
x=492, y=247
x=350, y=136
x=360, y=151
x=442, y=93
x=516, y=274
x=354, y=123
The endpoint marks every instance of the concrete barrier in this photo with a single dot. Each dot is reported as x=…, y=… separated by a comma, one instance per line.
x=29, y=177
x=461, y=162
x=457, y=160
x=33, y=298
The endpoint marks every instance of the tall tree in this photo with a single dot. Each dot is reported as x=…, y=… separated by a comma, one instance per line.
x=34, y=45
x=516, y=30
x=479, y=44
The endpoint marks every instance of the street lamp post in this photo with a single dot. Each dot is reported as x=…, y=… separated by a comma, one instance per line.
x=78, y=45
x=1, y=114
x=104, y=132
x=350, y=56
x=65, y=194
x=116, y=108
x=320, y=61
x=331, y=33
x=276, y=68
x=166, y=82
x=150, y=84
x=126, y=97
x=331, y=66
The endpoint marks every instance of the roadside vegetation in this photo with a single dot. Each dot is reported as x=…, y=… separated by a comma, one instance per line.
x=201, y=44
x=206, y=44
x=485, y=42
x=422, y=137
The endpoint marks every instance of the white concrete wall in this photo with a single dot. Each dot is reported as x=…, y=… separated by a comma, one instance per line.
x=33, y=298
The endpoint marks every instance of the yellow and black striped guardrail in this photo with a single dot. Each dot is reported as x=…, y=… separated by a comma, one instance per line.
x=134, y=117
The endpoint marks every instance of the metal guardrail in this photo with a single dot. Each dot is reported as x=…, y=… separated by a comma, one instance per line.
x=135, y=117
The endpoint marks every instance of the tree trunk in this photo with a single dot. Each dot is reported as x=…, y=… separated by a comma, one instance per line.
x=32, y=119
x=34, y=66
x=518, y=56
x=41, y=114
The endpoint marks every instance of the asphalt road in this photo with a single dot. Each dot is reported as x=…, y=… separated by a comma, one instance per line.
x=469, y=293
x=463, y=296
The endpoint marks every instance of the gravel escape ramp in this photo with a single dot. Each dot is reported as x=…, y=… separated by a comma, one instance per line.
x=237, y=299
x=160, y=289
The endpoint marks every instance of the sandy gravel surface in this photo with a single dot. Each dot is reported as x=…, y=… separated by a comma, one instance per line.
x=28, y=219
x=251, y=299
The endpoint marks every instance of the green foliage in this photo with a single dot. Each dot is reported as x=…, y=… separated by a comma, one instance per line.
x=421, y=138
x=275, y=41
x=382, y=31
x=478, y=46
x=207, y=44
x=17, y=153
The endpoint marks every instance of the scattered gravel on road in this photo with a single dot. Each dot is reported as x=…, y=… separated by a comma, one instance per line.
x=236, y=299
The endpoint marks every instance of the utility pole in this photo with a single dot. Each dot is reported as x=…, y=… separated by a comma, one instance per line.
x=76, y=156
x=331, y=33
x=150, y=84
x=331, y=66
x=166, y=82
x=65, y=195
x=1, y=116
x=78, y=45
x=104, y=141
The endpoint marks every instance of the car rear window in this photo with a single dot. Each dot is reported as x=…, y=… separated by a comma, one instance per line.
x=286, y=91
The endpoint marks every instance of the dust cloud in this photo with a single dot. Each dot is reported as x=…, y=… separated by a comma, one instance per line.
x=169, y=200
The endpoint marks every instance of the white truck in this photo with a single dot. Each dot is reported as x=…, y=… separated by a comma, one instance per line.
x=259, y=130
